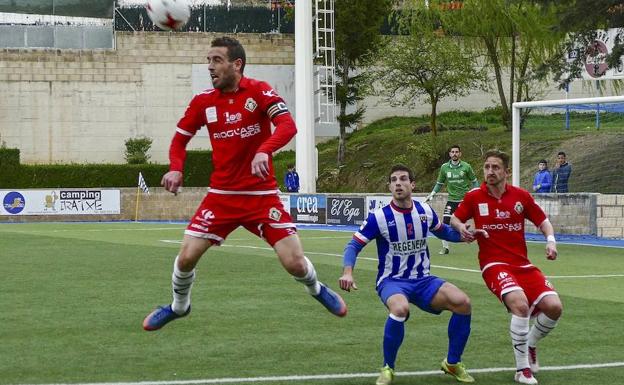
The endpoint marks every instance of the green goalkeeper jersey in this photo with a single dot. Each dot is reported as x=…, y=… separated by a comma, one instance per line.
x=458, y=179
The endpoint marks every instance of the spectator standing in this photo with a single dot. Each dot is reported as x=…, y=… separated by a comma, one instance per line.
x=542, y=180
x=561, y=174
x=291, y=179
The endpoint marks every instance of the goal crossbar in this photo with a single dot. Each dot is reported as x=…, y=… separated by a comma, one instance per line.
x=515, y=122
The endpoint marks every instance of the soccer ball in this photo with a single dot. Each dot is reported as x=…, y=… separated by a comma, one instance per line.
x=169, y=14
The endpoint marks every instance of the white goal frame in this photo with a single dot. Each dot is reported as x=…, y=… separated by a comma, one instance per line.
x=515, y=124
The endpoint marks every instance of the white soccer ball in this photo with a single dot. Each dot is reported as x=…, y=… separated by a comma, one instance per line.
x=169, y=14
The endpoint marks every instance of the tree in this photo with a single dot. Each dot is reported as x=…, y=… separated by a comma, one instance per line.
x=514, y=38
x=423, y=62
x=357, y=39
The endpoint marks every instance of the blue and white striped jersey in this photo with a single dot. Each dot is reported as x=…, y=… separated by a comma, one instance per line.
x=401, y=237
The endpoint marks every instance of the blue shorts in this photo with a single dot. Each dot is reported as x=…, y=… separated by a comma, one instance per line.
x=419, y=292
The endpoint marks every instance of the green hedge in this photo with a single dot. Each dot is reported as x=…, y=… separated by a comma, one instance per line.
x=14, y=175
x=9, y=157
x=197, y=172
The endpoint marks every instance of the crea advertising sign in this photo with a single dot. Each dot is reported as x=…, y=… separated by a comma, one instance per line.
x=60, y=202
x=308, y=208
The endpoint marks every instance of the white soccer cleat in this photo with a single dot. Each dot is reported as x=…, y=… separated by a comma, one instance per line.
x=525, y=376
x=533, y=359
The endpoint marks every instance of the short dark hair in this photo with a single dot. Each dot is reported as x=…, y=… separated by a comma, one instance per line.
x=235, y=49
x=454, y=146
x=498, y=154
x=561, y=153
x=290, y=165
x=400, y=167
x=543, y=161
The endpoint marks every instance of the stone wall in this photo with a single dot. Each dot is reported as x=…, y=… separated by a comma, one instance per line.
x=580, y=214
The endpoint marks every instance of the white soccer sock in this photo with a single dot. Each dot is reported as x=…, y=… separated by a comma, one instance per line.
x=310, y=280
x=445, y=244
x=540, y=329
x=519, y=330
x=182, y=282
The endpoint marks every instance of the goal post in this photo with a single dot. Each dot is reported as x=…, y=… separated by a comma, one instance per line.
x=568, y=105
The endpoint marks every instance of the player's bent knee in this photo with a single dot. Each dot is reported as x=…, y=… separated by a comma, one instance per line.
x=296, y=266
x=463, y=306
x=401, y=312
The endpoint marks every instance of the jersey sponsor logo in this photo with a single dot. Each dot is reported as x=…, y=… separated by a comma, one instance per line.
x=449, y=174
x=275, y=214
x=211, y=114
x=502, y=214
x=502, y=275
x=518, y=207
x=207, y=214
x=503, y=226
x=250, y=105
x=233, y=118
x=423, y=218
x=199, y=227
x=243, y=132
x=391, y=223
x=270, y=93
x=483, y=209
x=408, y=247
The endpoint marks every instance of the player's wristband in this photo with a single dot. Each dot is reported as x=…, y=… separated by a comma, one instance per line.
x=551, y=238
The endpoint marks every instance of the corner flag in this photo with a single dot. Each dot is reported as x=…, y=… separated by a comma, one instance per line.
x=143, y=185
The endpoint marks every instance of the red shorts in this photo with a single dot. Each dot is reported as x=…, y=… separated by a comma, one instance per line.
x=502, y=279
x=220, y=214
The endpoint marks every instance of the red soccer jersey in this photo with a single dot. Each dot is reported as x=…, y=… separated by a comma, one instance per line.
x=239, y=126
x=503, y=219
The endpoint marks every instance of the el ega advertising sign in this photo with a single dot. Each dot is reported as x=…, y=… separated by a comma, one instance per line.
x=60, y=202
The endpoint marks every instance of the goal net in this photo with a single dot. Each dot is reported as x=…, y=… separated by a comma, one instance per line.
x=589, y=130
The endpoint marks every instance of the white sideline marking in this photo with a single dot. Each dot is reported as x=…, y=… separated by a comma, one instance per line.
x=436, y=266
x=339, y=376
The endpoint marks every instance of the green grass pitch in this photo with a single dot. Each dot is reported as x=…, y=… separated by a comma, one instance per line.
x=73, y=297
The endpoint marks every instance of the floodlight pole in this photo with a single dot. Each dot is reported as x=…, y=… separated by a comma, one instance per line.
x=304, y=95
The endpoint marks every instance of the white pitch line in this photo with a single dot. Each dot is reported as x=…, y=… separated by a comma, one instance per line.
x=435, y=266
x=295, y=378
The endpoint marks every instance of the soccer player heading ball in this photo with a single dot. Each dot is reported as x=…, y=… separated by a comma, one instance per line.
x=238, y=114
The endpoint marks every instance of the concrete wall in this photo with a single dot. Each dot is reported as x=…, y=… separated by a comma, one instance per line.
x=81, y=106
x=581, y=214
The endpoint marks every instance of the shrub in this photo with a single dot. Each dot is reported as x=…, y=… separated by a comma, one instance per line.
x=136, y=150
